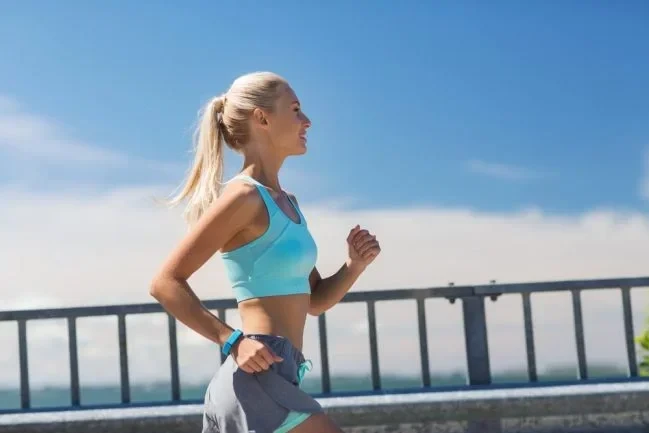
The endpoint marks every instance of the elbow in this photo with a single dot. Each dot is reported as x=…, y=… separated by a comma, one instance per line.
x=155, y=288
x=315, y=309
x=158, y=287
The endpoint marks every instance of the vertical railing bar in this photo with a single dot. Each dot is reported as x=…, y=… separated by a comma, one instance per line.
x=629, y=331
x=74, y=361
x=123, y=359
x=221, y=314
x=423, y=342
x=529, y=338
x=476, y=340
x=374, y=352
x=324, y=353
x=24, y=369
x=173, y=358
x=579, y=333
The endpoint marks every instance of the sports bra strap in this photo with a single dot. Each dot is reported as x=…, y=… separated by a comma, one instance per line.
x=265, y=195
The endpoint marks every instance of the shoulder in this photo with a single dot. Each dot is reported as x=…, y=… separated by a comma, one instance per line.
x=239, y=190
x=241, y=195
x=229, y=214
x=238, y=203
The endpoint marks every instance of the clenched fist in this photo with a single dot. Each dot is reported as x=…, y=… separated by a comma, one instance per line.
x=363, y=248
x=253, y=356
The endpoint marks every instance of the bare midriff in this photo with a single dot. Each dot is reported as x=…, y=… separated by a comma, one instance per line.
x=283, y=316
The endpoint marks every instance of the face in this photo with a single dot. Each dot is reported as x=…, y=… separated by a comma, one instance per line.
x=287, y=125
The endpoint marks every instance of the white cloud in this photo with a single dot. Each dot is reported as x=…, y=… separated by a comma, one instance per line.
x=37, y=136
x=88, y=247
x=503, y=171
x=28, y=138
x=103, y=248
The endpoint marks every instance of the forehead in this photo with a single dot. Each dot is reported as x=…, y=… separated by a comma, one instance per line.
x=288, y=96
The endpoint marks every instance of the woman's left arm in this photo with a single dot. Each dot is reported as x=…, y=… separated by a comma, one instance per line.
x=363, y=248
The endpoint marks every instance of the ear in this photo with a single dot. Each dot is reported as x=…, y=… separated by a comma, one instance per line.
x=260, y=117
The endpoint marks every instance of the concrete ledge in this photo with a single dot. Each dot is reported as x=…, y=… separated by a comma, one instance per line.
x=577, y=408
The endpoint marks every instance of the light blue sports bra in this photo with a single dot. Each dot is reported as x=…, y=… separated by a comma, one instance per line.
x=278, y=262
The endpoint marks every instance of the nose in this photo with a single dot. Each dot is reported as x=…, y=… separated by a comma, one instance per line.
x=306, y=121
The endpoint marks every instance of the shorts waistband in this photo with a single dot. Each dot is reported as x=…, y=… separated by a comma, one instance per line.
x=282, y=346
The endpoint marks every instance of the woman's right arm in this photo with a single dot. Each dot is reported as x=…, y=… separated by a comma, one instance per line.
x=229, y=214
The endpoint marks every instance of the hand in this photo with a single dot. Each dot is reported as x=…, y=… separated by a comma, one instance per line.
x=253, y=356
x=363, y=248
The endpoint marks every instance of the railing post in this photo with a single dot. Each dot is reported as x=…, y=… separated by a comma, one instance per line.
x=123, y=358
x=24, y=365
x=324, y=353
x=374, y=346
x=475, y=337
x=477, y=356
x=74, y=361
x=628, y=332
x=173, y=358
x=423, y=342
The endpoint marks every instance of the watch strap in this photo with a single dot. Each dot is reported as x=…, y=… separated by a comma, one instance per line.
x=232, y=339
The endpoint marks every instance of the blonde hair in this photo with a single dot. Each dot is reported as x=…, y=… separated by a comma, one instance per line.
x=223, y=119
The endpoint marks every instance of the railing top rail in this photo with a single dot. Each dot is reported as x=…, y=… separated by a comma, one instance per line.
x=361, y=296
x=557, y=286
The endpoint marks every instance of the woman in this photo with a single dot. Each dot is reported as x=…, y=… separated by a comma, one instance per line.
x=270, y=259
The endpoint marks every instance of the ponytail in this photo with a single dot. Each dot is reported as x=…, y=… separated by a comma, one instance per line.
x=224, y=120
x=203, y=184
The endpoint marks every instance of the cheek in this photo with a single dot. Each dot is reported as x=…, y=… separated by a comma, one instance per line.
x=286, y=129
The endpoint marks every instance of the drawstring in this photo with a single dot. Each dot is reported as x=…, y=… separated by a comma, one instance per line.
x=302, y=369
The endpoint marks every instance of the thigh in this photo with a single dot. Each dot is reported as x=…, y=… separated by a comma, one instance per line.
x=318, y=422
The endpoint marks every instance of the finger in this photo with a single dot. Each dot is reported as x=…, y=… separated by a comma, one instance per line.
x=261, y=361
x=371, y=253
x=359, y=235
x=373, y=247
x=353, y=232
x=266, y=355
x=246, y=369
x=253, y=365
x=366, y=240
x=366, y=251
x=245, y=366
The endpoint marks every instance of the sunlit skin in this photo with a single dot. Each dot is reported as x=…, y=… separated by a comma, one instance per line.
x=279, y=135
x=240, y=216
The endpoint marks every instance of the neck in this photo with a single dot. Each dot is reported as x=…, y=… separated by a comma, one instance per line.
x=263, y=166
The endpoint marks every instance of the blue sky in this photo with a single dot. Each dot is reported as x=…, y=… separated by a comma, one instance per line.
x=494, y=107
x=444, y=106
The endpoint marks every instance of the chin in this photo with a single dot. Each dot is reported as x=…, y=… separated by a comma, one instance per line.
x=300, y=151
x=299, y=148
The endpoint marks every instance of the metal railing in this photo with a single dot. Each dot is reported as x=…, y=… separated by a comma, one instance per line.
x=474, y=318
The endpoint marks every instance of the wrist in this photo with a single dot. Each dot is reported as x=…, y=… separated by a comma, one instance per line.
x=231, y=341
x=355, y=267
x=223, y=335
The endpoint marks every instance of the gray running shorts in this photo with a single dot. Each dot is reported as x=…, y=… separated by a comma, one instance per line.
x=240, y=402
